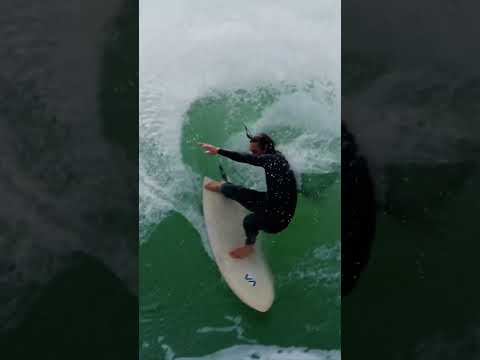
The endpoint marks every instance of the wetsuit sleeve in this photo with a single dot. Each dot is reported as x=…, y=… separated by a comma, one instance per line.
x=242, y=157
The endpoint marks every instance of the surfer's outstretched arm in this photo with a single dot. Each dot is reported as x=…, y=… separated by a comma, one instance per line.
x=242, y=157
x=256, y=160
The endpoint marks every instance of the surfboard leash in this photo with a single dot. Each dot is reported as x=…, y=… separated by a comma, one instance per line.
x=222, y=172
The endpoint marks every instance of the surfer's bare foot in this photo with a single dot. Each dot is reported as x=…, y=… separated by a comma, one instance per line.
x=214, y=185
x=242, y=252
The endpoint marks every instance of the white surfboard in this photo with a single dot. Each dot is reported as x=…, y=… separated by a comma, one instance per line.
x=249, y=278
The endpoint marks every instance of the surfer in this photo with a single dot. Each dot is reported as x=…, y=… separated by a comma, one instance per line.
x=272, y=210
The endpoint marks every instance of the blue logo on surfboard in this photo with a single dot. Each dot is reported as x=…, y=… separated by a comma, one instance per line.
x=251, y=279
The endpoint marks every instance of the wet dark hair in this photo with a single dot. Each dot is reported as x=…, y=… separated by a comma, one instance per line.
x=264, y=141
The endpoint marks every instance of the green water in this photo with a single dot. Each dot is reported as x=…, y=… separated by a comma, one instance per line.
x=185, y=306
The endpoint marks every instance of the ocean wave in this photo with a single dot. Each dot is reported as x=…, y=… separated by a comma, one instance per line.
x=209, y=49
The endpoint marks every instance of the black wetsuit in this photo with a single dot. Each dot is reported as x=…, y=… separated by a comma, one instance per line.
x=273, y=210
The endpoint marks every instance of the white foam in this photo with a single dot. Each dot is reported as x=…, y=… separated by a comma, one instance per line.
x=236, y=328
x=320, y=267
x=255, y=351
x=315, y=112
x=262, y=352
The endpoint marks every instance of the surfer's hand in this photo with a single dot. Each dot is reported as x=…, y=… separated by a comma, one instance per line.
x=210, y=149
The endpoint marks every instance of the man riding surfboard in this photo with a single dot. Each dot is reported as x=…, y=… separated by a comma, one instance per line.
x=271, y=211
